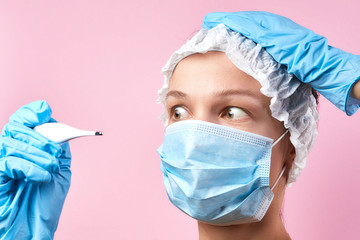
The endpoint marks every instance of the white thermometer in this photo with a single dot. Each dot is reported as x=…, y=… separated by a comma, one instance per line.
x=59, y=132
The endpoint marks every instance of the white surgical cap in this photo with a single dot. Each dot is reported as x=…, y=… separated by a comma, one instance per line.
x=292, y=101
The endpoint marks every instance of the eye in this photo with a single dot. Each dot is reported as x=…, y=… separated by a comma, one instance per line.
x=179, y=113
x=234, y=113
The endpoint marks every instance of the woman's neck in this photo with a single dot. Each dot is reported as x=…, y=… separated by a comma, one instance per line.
x=266, y=229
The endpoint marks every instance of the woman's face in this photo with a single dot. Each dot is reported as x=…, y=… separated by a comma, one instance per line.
x=209, y=87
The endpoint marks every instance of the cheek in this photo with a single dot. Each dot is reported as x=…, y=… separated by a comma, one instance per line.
x=267, y=126
x=277, y=161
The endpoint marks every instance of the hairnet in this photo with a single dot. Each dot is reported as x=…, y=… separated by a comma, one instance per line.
x=292, y=101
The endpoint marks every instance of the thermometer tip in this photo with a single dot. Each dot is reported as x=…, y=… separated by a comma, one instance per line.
x=99, y=133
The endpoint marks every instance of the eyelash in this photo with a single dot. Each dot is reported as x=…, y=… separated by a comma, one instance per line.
x=222, y=113
x=172, y=111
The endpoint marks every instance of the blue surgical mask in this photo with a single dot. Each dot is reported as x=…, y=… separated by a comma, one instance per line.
x=217, y=174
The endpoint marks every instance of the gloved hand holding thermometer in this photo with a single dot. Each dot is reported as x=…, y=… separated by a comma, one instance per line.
x=34, y=173
x=307, y=55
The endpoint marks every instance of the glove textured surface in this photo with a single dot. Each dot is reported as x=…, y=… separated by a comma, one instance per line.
x=307, y=55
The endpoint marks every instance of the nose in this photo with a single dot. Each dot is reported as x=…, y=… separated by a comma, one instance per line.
x=205, y=114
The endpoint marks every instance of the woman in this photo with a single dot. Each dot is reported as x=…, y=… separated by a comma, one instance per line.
x=244, y=107
x=240, y=126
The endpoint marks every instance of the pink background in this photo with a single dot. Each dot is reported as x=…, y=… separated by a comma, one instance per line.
x=98, y=65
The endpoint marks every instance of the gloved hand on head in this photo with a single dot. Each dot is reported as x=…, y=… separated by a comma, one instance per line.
x=34, y=176
x=307, y=55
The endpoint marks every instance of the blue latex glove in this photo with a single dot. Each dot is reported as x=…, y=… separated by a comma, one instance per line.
x=307, y=55
x=34, y=176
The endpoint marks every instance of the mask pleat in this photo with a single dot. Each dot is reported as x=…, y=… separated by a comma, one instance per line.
x=216, y=174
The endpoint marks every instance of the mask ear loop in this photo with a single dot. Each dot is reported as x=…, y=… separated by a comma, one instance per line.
x=283, y=169
x=277, y=180
x=278, y=140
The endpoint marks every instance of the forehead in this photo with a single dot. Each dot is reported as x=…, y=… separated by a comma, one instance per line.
x=204, y=74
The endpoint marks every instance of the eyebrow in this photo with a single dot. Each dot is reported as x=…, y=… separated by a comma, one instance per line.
x=230, y=92
x=222, y=93
x=176, y=94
